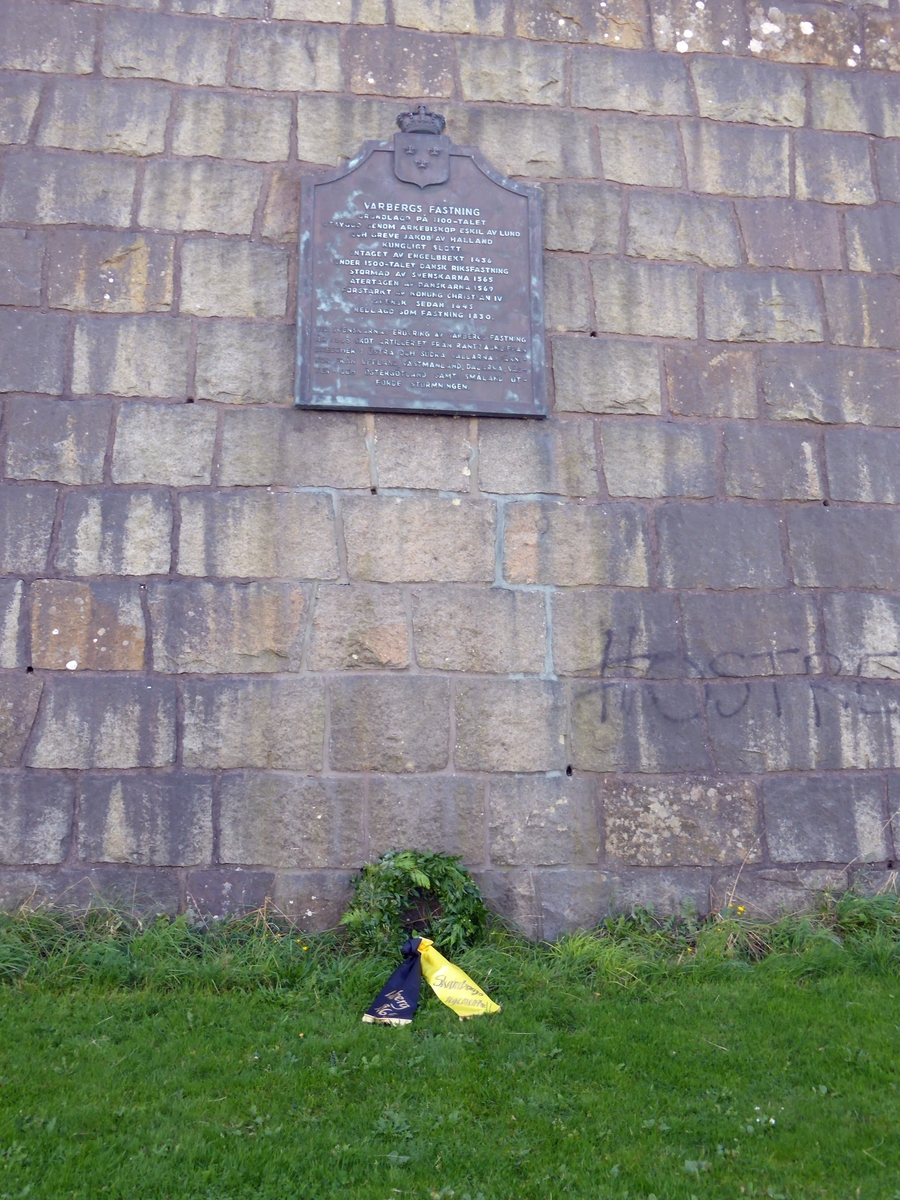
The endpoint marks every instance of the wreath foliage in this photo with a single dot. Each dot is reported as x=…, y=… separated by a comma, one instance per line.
x=406, y=892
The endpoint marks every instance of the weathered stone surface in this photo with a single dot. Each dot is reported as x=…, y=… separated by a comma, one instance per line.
x=658, y=458
x=446, y=818
x=887, y=169
x=35, y=817
x=680, y=25
x=762, y=463
x=200, y=195
x=711, y=382
x=164, y=443
x=301, y=449
x=644, y=298
x=365, y=12
x=566, y=293
x=358, y=627
x=762, y=726
x=513, y=893
x=58, y=189
x=389, y=723
x=146, y=893
x=622, y=22
x=86, y=626
x=788, y=233
x=863, y=311
x=539, y=141
x=19, y=699
x=115, y=118
x=571, y=900
x=451, y=16
x=692, y=228
x=825, y=819
x=393, y=539
x=391, y=63
x=771, y=892
x=160, y=820
x=831, y=385
x=629, y=634
x=287, y=58
x=881, y=34
x=859, y=725
x=107, y=722
x=41, y=37
x=570, y=545
x=736, y=161
x=163, y=47
x=32, y=352
x=65, y=443
x=863, y=465
x=681, y=822
x=131, y=356
x=510, y=725
x=12, y=592
x=834, y=168
x=313, y=900
x=115, y=532
x=719, y=546
x=638, y=726
x=601, y=375
x=845, y=547
x=554, y=456
x=21, y=260
x=26, y=522
x=744, y=306
x=809, y=34
x=743, y=634
x=581, y=216
x=485, y=630
x=872, y=239
x=640, y=83
x=258, y=534
x=221, y=125
x=281, y=215
x=215, y=628
x=863, y=634
x=422, y=452
x=635, y=150
x=240, y=363
x=543, y=821
x=110, y=272
x=274, y=724
x=855, y=102
x=223, y=891
x=327, y=126
x=19, y=95
x=233, y=279
x=514, y=72
x=741, y=89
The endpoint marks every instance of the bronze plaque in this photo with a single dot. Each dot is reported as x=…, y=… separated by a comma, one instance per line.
x=421, y=287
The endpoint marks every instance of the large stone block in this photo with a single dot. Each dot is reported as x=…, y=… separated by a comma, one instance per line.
x=64, y=443
x=762, y=463
x=60, y=189
x=365, y=12
x=242, y=363
x=32, y=352
x=160, y=820
x=713, y=381
x=35, y=817
x=845, y=547
x=863, y=465
x=131, y=356
x=680, y=25
x=144, y=892
x=887, y=169
x=863, y=634
x=638, y=726
x=693, y=228
x=422, y=452
x=300, y=449
x=582, y=216
x=744, y=306
x=164, y=443
x=601, y=375
x=228, y=891
x=233, y=279
x=622, y=22
x=223, y=125
x=571, y=900
x=641, y=83
x=736, y=161
x=566, y=293
x=115, y=532
x=280, y=221
x=199, y=195
x=490, y=631
x=221, y=628
x=512, y=893
x=825, y=819
x=744, y=634
x=327, y=126
x=833, y=168
x=541, y=820
x=451, y=16
x=279, y=820
x=110, y=272
x=647, y=299
x=106, y=722
x=44, y=37
x=872, y=239
x=829, y=38
x=638, y=151
x=446, y=817
x=538, y=141
x=746, y=90
x=658, y=458
x=570, y=545
x=771, y=892
x=115, y=118
x=880, y=31
x=389, y=723
x=288, y=58
x=12, y=592
x=761, y=725
x=630, y=634
x=21, y=264
x=19, y=699
x=313, y=900
x=162, y=47
x=86, y=626
x=257, y=534
x=510, y=725
x=393, y=539
x=358, y=627
x=273, y=724
x=855, y=102
x=831, y=385
x=19, y=96
x=394, y=63
x=512, y=72
x=788, y=233
x=857, y=724
x=26, y=522
x=720, y=546
x=681, y=822
x=555, y=456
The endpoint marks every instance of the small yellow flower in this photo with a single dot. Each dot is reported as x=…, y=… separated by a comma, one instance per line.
x=741, y=909
x=304, y=947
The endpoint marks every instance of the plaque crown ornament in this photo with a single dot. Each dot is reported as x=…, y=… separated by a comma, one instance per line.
x=421, y=121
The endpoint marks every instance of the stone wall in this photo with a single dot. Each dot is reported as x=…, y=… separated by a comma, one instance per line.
x=643, y=651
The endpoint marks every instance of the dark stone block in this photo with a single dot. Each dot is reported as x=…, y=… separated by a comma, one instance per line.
x=719, y=546
x=751, y=633
x=19, y=699
x=390, y=724
x=36, y=812
x=807, y=384
x=140, y=893
x=770, y=892
x=226, y=891
x=512, y=893
x=26, y=522
x=646, y=727
x=32, y=352
x=845, y=547
x=855, y=724
x=863, y=633
x=572, y=899
x=627, y=634
x=873, y=239
x=863, y=311
x=636, y=82
x=21, y=257
x=60, y=441
x=863, y=465
x=762, y=463
x=791, y=233
x=717, y=381
x=833, y=819
x=756, y=726
x=887, y=169
x=314, y=900
x=149, y=820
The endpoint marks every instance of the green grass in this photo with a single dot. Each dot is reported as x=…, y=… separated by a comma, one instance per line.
x=164, y=1061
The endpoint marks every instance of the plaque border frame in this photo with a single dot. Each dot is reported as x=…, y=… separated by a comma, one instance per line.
x=454, y=407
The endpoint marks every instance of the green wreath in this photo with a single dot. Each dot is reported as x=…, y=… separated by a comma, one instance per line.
x=406, y=893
